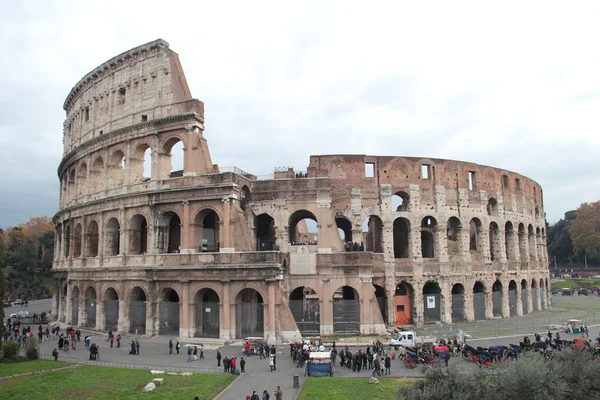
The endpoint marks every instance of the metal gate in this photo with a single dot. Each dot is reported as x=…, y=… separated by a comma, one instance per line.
x=169, y=317
x=346, y=316
x=111, y=315
x=207, y=320
x=479, y=306
x=458, y=307
x=432, y=309
x=512, y=302
x=524, y=301
x=91, y=313
x=497, y=304
x=75, y=311
x=249, y=320
x=137, y=317
x=534, y=304
x=307, y=316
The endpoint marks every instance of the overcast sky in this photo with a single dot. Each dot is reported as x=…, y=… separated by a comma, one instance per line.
x=515, y=85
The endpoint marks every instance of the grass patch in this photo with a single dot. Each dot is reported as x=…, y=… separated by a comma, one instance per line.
x=575, y=283
x=351, y=388
x=91, y=382
x=8, y=367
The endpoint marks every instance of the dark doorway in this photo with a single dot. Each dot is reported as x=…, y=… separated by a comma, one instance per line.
x=265, y=232
x=458, y=303
x=479, y=301
x=304, y=304
x=249, y=314
x=206, y=302
x=432, y=296
x=346, y=311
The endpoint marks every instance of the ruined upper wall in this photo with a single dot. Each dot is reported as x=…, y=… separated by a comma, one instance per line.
x=142, y=84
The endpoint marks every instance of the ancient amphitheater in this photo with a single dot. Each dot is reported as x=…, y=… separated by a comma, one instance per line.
x=218, y=252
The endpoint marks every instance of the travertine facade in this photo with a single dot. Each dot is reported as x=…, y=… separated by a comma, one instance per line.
x=208, y=253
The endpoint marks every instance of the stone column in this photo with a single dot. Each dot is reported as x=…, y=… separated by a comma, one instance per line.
x=68, y=305
x=123, y=321
x=505, y=301
x=447, y=302
x=225, y=244
x=501, y=242
x=185, y=229
x=485, y=244
x=81, y=308
x=441, y=244
x=469, y=306
x=149, y=317
x=156, y=317
x=418, y=298
x=226, y=318
x=272, y=339
x=184, y=310
x=489, y=303
x=539, y=297
x=123, y=229
x=519, y=300
x=414, y=245
x=56, y=299
x=99, y=314
x=529, y=300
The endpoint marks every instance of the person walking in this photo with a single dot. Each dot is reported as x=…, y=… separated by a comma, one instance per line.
x=171, y=346
x=202, y=351
x=177, y=346
x=254, y=396
x=242, y=365
x=266, y=395
x=218, y=358
x=376, y=367
x=137, y=347
x=132, y=352
x=388, y=365
x=278, y=394
x=112, y=341
x=189, y=352
x=118, y=340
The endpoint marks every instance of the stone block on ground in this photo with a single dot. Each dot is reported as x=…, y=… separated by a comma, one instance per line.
x=373, y=380
x=157, y=381
x=154, y=372
x=149, y=387
x=172, y=373
x=186, y=374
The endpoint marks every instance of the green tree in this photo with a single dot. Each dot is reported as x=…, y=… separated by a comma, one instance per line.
x=585, y=230
x=3, y=294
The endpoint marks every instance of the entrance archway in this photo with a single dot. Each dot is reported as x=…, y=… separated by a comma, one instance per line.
x=432, y=297
x=534, y=295
x=137, y=311
x=346, y=310
x=111, y=310
x=206, y=302
x=265, y=232
x=479, y=301
x=512, y=298
x=304, y=304
x=524, y=301
x=90, y=307
x=169, y=312
x=497, y=299
x=113, y=237
x=344, y=228
x=75, y=306
x=458, y=303
x=403, y=300
x=139, y=234
x=169, y=233
x=249, y=317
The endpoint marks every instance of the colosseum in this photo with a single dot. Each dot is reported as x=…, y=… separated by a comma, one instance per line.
x=347, y=245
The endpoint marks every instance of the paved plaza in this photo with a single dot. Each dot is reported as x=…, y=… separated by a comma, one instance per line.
x=154, y=351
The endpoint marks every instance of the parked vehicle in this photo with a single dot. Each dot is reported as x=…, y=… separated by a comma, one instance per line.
x=410, y=339
x=7, y=303
x=20, y=314
x=18, y=302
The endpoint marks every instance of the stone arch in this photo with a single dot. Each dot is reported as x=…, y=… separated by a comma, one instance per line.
x=373, y=234
x=543, y=293
x=346, y=310
x=475, y=235
x=250, y=317
x=344, y=227
x=522, y=241
x=305, y=306
x=404, y=302
x=401, y=238
x=453, y=233
x=512, y=298
x=531, y=238
x=495, y=251
x=497, y=298
x=207, y=313
x=524, y=294
x=116, y=169
x=77, y=241
x=82, y=173
x=113, y=237
x=381, y=297
x=458, y=303
x=534, y=295
x=492, y=207
x=137, y=310
x=111, y=309
x=299, y=231
x=428, y=230
x=75, y=306
x=479, y=300
x=169, y=311
x=91, y=303
x=432, y=298
x=206, y=230
x=97, y=175
x=139, y=163
x=245, y=197
x=509, y=241
x=172, y=146
x=169, y=232
x=400, y=201
x=71, y=184
x=139, y=235
x=265, y=232
x=92, y=236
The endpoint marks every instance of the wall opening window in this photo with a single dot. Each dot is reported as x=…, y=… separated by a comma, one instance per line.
x=144, y=118
x=369, y=170
x=121, y=96
x=472, y=180
x=505, y=181
x=87, y=114
x=517, y=184
x=425, y=171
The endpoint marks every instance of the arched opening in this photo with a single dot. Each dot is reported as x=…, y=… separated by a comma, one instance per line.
x=495, y=252
x=172, y=158
x=139, y=235
x=113, y=237
x=373, y=234
x=512, y=298
x=522, y=242
x=97, y=175
x=116, y=169
x=492, y=207
x=111, y=310
x=400, y=201
x=382, y=302
x=536, y=211
x=208, y=324
x=538, y=242
x=63, y=302
x=265, y=232
x=304, y=304
x=524, y=302
x=428, y=228
x=509, y=241
x=249, y=316
x=403, y=300
x=345, y=230
x=72, y=193
x=458, y=303
x=497, y=299
x=531, y=237
x=534, y=296
x=90, y=308
x=303, y=228
x=137, y=311
x=346, y=311
x=75, y=306
x=77, y=236
x=479, y=301
x=453, y=230
x=140, y=165
x=401, y=237
x=169, y=312
x=169, y=233
x=432, y=297
x=206, y=230
x=244, y=197
x=67, y=241
x=58, y=234
x=543, y=294
x=91, y=249
x=82, y=179
x=475, y=235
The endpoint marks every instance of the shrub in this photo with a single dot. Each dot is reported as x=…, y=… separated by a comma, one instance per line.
x=32, y=349
x=11, y=350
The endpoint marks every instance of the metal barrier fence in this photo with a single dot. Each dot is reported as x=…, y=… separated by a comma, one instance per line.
x=166, y=368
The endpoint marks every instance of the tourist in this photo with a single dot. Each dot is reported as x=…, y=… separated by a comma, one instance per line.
x=254, y=396
x=137, y=347
x=195, y=354
x=177, y=346
x=55, y=354
x=201, y=351
x=218, y=358
x=265, y=395
x=377, y=367
x=233, y=365
x=189, y=353
x=112, y=341
x=242, y=365
x=171, y=346
x=132, y=352
x=278, y=394
x=273, y=362
x=118, y=340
